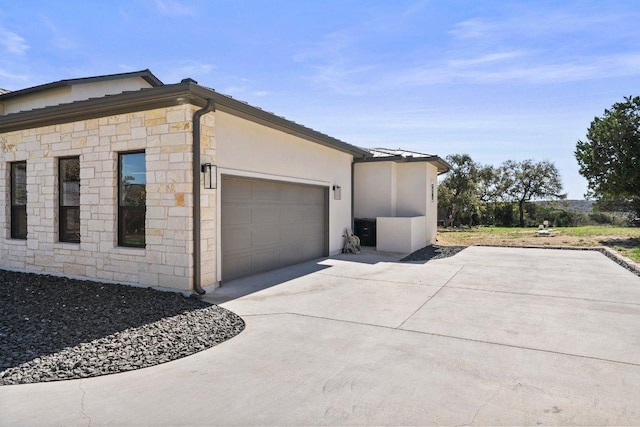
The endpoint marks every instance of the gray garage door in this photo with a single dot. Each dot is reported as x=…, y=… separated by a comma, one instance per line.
x=269, y=224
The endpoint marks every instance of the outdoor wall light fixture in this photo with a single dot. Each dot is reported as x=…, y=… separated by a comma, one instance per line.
x=210, y=175
x=337, y=192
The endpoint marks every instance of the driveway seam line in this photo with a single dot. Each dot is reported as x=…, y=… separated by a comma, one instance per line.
x=542, y=295
x=430, y=298
x=449, y=336
x=525, y=348
x=379, y=280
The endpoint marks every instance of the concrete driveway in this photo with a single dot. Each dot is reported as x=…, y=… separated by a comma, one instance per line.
x=490, y=336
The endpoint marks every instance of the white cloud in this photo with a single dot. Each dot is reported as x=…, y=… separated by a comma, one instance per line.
x=481, y=70
x=127, y=68
x=490, y=58
x=472, y=29
x=13, y=76
x=539, y=23
x=12, y=42
x=195, y=68
x=58, y=39
x=174, y=8
x=123, y=13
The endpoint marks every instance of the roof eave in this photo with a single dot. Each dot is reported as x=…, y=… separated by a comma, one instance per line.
x=165, y=96
x=126, y=102
x=146, y=75
x=442, y=165
x=242, y=109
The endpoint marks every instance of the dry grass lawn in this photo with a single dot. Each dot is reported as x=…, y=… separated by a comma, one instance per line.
x=624, y=240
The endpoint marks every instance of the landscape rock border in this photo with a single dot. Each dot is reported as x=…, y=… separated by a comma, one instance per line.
x=55, y=328
x=431, y=252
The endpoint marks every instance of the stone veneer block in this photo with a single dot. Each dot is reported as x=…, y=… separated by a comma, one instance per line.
x=165, y=135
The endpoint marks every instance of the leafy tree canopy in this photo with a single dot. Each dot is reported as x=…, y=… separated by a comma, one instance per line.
x=530, y=180
x=458, y=191
x=609, y=158
x=468, y=186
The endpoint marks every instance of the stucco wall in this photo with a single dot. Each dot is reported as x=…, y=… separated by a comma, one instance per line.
x=411, y=189
x=403, y=189
x=400, y=234
x=374, y=189
x=165, y=135
x=249, y=149
x=432, y=203
x=76, y=92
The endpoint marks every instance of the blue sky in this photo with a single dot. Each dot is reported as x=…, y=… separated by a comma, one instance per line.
x=495, y=79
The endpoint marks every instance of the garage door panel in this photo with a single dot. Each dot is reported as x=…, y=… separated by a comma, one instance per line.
x=236, y=240
x=312, y=233
x=265, y=214
x=292, y=254
x=292, y=193
x=265, y=236
x=314, y=195
x=287, y=224
x=265, y=191
x=291, y=214
x=312, y=249
x=235, y=266
x=292, y=233
x=237, y=214
x=236, y=189
x=264, y=261
x=312, y=214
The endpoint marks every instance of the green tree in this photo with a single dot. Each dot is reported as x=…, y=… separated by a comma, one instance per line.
x=489, y=184
x=530, y=180
x=490, y=190
x=457, y=193
x=610, y=157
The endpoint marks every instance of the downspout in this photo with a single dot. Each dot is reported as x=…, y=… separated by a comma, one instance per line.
x=197, y=222
x=353, y=191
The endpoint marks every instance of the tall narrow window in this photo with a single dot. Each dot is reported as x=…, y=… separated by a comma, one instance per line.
x=131, y=199
x=19, y=200
x=69, y=181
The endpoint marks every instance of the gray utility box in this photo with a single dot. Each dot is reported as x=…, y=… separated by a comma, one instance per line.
x=365, y=229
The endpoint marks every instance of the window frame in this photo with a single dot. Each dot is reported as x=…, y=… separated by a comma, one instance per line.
x=17, y=210
x=64, y=235
x=123, y=210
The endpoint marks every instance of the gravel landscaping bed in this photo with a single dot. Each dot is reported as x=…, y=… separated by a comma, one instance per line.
x=54, y=328
x=433, y=252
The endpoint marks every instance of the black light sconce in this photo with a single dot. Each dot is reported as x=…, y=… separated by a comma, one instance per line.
x=210, y=175
x=337, y=192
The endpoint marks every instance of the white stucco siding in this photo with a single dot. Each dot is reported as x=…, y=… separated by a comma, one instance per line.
x=403, y=189
x=375, y=189
x=248, y=149
x=38, y=100
x=432, y=203
x=77, y=92
x=411, y=189
x=400, y=234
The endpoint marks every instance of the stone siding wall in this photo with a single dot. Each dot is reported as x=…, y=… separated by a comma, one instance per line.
x=166, y=136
